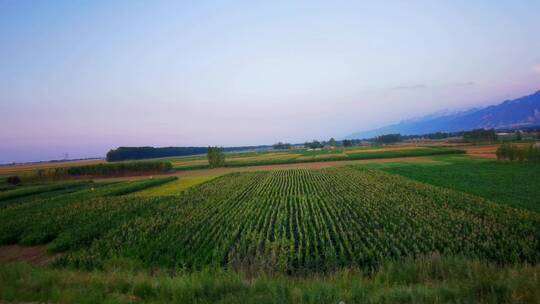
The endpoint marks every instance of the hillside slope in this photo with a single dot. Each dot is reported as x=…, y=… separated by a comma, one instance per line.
x=520, y=112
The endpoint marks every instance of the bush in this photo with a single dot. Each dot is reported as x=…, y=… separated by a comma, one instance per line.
x=14, y=180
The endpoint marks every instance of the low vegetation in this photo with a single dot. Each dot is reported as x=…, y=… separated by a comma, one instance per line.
x=25, y=192
x=13, y=180
x=427, y=280
x=77, y=216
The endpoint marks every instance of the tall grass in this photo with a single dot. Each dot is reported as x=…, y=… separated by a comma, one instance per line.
x=428, y=280
x=530, y=153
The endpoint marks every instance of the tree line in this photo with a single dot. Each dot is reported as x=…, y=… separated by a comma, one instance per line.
x=281, y=146
x=216, y=157
x=134, y=153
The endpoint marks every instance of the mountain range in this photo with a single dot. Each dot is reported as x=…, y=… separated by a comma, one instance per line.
x=510, y=114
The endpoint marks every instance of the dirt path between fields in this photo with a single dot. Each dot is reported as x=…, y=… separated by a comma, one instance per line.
x=36, y=255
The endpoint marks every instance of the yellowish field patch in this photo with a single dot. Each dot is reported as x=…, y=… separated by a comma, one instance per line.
x=184, y=163
x=267, y=156
x=333, y=155
x=321, y=156
x=175, y=187
x=382, y=149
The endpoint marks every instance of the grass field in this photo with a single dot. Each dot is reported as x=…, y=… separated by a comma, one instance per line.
x=429, y=280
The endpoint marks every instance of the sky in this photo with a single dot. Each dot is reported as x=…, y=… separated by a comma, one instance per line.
x=78, y=78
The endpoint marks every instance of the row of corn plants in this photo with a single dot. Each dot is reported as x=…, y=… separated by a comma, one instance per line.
x=303, y=221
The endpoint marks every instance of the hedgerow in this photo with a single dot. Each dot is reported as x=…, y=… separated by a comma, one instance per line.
x=109, y=169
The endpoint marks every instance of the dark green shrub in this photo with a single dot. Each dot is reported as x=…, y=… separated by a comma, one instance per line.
x=109, y=169
x=14, y=180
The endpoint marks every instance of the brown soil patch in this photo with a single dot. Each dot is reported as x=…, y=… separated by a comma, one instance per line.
x=482, y=151
x=36, y=255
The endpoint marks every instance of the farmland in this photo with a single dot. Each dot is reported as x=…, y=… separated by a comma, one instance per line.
x=373, y=224
x=100, y=168
x=309, y=156
x=291, y=221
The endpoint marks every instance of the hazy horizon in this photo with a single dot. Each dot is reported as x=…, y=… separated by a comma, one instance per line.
x=82, y=78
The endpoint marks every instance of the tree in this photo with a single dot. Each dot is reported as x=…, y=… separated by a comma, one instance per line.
x=347, y=143
x=315, y=144
x=332, y=142
x=216, y=157
x=281, y=146
x=519, y=136
x=389, y=138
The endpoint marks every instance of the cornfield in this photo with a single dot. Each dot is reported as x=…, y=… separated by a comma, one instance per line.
x=303, y=221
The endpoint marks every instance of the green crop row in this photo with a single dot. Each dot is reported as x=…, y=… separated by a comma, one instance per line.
x=9, y=196
x=46, y=217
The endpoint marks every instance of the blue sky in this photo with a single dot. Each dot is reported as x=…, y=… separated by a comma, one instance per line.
x=81, y=77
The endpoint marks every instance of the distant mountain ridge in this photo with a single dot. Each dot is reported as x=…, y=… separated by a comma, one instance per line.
x=510, y=114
